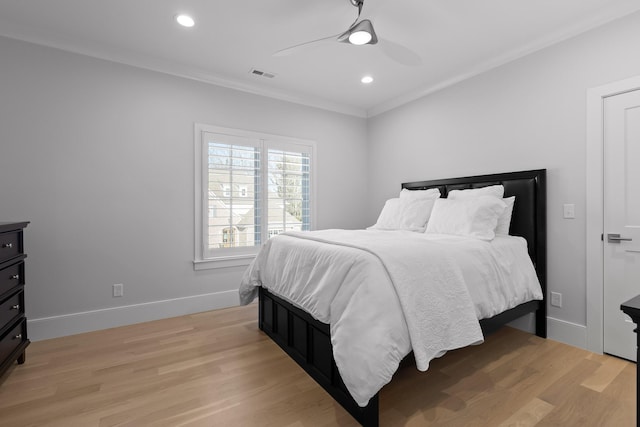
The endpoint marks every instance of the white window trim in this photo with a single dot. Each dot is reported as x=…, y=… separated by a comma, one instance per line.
x=200, y=262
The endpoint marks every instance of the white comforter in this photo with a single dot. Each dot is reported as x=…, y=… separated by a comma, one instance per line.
x=385, y=293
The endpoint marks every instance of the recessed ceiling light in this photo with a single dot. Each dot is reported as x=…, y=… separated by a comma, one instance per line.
x=366, y=79
x=185, y=20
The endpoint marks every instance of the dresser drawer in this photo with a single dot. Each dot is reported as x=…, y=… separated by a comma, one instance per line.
x=10, y=244
x=11, y=309
x=11, y=276
x=13, y=339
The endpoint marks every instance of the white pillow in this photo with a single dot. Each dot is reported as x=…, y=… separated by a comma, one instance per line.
x=389, y=218
x=432, y=193
x=504, y=222
x=474, y=217
x=400, y=214
x=414, y=214
x=492, y=190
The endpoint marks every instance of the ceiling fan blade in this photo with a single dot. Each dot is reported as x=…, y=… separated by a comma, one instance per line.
x=304, y=46
x=399, y=53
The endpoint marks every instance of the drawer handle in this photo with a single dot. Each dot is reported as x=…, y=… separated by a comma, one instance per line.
x=7, y=245
x=15, y=277
x=15, y=307
x=18, y=337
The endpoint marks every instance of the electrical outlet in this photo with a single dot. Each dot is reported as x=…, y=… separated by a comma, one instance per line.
x=556, y=299
x=569, y=211
x=118, y=290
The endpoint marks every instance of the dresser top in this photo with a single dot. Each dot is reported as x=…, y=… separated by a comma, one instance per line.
x=632, y=308
x=12, y=226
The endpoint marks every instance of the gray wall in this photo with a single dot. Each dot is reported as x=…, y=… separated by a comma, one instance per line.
x=528, y=114
x=99, y=157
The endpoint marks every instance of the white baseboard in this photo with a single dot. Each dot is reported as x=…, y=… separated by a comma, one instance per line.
x=567, y=332
x=557, y=330
x=87, y=321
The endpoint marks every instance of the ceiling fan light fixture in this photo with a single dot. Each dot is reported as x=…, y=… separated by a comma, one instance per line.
x=185, y=21
x=362, y=33
x=359, y=38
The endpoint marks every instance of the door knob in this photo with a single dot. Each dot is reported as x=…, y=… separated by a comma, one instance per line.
x=615, y=238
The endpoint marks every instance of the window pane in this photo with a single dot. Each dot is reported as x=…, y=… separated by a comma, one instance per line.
x=254, y=186
x=288, y=191
x=234, y=195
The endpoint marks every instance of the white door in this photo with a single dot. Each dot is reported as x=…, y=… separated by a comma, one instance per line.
x=621, y=219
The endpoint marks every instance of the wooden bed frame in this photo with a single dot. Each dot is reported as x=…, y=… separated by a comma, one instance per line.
x=307, y=341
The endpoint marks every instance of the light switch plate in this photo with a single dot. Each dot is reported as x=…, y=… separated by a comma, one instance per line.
x=556, y=299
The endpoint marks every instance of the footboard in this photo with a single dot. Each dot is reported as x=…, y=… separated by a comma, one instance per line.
x=308, y=342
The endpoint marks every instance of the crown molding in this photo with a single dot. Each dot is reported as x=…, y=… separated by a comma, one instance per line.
x=178, y=70
x=511, y=56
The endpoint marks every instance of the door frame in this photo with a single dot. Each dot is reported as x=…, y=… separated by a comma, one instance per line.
x=595, y=206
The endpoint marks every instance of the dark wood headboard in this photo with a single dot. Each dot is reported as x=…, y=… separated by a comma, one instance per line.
x=529, y=219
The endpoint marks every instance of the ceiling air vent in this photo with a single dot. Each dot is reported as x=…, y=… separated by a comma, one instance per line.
x=262, y=73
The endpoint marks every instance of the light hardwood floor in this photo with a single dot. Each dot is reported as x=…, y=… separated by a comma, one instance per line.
x=217, y=369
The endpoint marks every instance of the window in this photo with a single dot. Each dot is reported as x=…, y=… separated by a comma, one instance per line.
x=249, y=188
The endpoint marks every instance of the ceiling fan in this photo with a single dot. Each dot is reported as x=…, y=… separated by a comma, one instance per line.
x=360, y=33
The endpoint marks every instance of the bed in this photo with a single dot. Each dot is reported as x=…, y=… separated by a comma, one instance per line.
x=309, y=341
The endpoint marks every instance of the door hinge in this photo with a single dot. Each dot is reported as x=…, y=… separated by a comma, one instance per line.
x=602, y=237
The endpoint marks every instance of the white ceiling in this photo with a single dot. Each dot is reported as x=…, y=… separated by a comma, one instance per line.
x=455, y=38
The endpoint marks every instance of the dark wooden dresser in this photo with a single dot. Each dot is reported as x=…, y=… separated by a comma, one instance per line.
x=13, y=323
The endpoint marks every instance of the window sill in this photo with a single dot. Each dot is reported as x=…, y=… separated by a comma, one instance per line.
x=223, y=262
